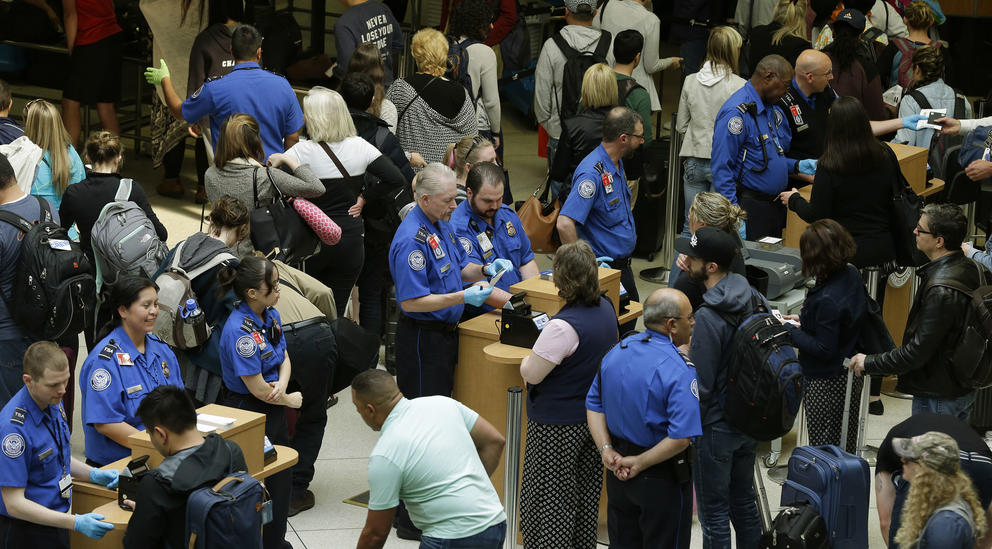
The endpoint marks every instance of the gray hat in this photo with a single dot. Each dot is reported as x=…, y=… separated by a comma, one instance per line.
x=934, y=449
x=579, y=6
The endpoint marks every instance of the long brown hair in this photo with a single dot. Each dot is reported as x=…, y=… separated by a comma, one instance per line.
x=366, y=59
x=850, y=146
x=239, y=138
x=43, y=126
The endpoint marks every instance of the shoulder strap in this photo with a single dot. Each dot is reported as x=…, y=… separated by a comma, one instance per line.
x=44, y=210
x=417, y=94
x=254, y=185
x=287, y=284
x=334, y=158
x=603, y=46
x=213, y=262
x=566, y=50
x=174, y=264
x=921, y=100
x=602, y=10
x=958, y=106
x=17, y=221
x=124, y=190
x=956, y=506
x=268, y=173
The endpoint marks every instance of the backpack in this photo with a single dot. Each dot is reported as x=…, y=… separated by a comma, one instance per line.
x=971, y=364
x=283, y=40
x=515, y=48
x=624, y=87
x=941, y=146
x=868, y=45
x=227, y=515
x=905, y=70
x=764, y=380
x=56, y=290
x=124, y=240
x=576, y=63
x=457, y=70
x=174, y=290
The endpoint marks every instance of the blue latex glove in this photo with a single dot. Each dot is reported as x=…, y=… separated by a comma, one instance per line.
x=103, y=477
x=91, y=525
x=604, y=260
x=498, y=265
x=477, y=295
x=742, y=230
x=909, y=122
x=807, y=166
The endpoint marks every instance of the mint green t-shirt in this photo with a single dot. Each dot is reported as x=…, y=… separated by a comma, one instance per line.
x=426, y=457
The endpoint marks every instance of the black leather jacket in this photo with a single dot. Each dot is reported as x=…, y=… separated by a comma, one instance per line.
x=932, y=332
x=580, y=135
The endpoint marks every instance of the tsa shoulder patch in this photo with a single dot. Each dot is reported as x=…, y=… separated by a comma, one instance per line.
x=466, y=244
x=735, y=125
x=416, y=260
x=246, y=346
x=587, y=188
x=694, y=387
x=100, y=379
x=13, y=445
x=778, y=117
x=19, y=416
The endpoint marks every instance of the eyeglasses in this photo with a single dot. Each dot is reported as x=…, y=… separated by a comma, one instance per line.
x=637, y=135
x=828, y=73
x=690, y=318
x=27, y=106
x=921, y=231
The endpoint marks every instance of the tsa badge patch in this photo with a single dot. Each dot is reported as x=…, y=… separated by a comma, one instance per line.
x=246, y=346
x=416, y=260
x=778, y=117
x=13, y=445
x=587, y=188
x=735, y=125
x=100, y=379
x=694, y=387
x=466, y=244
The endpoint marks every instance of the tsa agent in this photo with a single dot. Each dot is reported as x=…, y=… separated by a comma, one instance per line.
x=122, y=368
x=256, y=369
x=37, y=468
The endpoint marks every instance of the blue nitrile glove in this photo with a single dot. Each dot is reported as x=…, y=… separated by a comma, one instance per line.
x=105, y=477
x=808, y=166
x=909, y=122
x=91, y=525
x=498, y=265
x=477, y=295
x=604, y=261
x=155, y=76
x=742, y=230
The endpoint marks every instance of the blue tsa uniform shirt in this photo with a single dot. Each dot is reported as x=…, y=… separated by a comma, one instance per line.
x=750, y=140
x=483, y=242
x=599, y=203
x=113, y=380
x=36, y=452
x=427, y=259
x=250, y=345
x=647, y=391
x=248, y=89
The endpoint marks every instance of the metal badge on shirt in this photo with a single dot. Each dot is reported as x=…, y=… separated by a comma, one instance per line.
x=435, y=245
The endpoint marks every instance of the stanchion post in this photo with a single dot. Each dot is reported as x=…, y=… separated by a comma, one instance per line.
x=672, y=197
x=511, y=481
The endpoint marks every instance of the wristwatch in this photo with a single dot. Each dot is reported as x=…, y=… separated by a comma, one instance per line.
x=605, y=447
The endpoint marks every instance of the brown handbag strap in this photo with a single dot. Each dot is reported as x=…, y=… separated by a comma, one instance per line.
x=334, y=158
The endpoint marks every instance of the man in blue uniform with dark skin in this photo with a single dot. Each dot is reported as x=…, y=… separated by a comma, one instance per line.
x=750, y=139
x=642, y=411
x=597, y=209
x=486, y=228
x=37, y=468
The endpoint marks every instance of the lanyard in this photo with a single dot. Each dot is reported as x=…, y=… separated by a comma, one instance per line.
x=55, y=436
x=475, y=227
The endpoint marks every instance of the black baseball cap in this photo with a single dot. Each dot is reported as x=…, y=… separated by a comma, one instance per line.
x=853, y=18
x=709, y=244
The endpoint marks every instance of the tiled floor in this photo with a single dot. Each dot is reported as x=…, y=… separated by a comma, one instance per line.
x=341, y=467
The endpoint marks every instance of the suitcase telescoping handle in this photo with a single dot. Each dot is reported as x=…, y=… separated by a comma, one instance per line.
x=845, y=423
x=763, y=508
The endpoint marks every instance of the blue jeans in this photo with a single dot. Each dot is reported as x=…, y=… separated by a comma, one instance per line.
x=723, y=473
x=958, y=407
x=12, y=366
x=490, y=538
x=696, y=178
x=692, y=52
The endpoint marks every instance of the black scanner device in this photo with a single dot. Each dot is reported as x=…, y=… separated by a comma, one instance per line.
x=521, y=325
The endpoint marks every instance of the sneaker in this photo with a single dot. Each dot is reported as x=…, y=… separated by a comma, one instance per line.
x=876, y=408
x=332, y=400
x=297, y=506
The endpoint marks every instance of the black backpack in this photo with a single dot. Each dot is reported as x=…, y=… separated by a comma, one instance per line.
x=457, y=70
x=971, y=364
x=283, y=41
x=54, y=290
x=624, y=87
x=576, y=64
x=764, y=379
x=941, y=145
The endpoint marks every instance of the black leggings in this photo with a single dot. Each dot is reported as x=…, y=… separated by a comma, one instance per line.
x=338, y=266
x=172, y=162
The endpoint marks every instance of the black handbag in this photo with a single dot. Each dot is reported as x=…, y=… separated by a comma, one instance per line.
x=277, y=230
x=358, y=350
x=905, y=214
x=874, y=336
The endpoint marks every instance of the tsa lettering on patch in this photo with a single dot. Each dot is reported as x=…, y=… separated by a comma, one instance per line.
x=735, y=125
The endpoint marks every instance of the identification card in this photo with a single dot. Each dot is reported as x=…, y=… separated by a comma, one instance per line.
x=65, y=486
x=259, y=340
x=987, y=155
x=609, y=189
x=135, y=389
x=484, y=242
x=61, y=245
x=124, y=359
x=435, y=245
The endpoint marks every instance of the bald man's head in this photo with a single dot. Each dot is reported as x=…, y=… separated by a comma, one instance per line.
x=814, y=71
x=771, y=78
x=668, y=311
x=374, y=393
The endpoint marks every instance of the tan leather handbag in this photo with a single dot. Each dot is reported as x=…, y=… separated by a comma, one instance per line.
x=539, y=216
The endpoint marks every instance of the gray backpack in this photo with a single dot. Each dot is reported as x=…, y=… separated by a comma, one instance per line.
x=124, y=240
x=174, y=290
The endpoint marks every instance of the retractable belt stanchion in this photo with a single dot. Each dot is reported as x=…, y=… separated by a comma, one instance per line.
x=511, y=480
x=672, y=191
